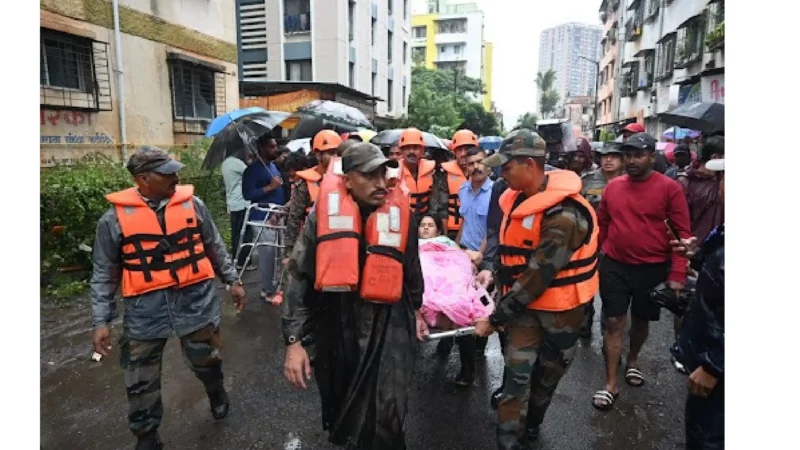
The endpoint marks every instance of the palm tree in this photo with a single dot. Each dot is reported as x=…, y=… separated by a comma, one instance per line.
x=548, y=98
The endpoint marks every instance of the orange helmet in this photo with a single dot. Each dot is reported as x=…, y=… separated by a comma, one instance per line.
x=326, y=140
x=464, y=137
x=411, y=136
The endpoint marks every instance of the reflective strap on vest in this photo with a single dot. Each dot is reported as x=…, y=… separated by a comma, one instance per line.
x=453, y=207
x=339, y=235
x=506, y=275
x=387, y=251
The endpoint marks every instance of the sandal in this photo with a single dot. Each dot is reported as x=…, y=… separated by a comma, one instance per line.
x=607, y=398
x=634, y=377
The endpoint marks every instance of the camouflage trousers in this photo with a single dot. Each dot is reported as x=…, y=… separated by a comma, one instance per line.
x=141, y=364
x=540, y=345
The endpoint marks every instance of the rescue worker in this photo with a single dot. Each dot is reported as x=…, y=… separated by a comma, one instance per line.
x=417, y=172
x=324, y=147
x=547, y=273
x=463, y=141
x=593, y=185
x=159, y=242
x=365, y=322
x=579, y=160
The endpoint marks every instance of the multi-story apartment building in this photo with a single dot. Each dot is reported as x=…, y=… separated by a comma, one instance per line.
x=572, y=50
x=671, y=52
x=174, y=70
x=356, y=50
x=449, y=35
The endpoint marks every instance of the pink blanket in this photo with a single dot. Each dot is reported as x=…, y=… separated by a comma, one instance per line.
x=449, y=286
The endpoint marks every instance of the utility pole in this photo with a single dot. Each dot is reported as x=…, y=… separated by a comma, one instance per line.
x=596, y=89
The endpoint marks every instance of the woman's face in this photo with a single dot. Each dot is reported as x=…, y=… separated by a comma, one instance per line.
x=427, y=228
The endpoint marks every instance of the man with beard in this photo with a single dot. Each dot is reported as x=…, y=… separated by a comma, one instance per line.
x=683, y=157
x=546, y=273
x=262, y=183
x=356, y=285
x=636, y=257
x=580, y=159
x=159, y=244
x=593, y=185
x=323, y=146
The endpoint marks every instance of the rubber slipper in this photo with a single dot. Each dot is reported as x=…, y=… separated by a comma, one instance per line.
x=607, y=397
x=634, y=377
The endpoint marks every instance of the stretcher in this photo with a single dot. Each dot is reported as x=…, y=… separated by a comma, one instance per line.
x=447, y=329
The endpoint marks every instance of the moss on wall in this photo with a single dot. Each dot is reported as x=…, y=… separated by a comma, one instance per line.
x=136, y=23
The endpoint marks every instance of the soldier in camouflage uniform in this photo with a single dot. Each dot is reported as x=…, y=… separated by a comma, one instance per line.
x=540, y=344
x=593, y=185
x=162, y=309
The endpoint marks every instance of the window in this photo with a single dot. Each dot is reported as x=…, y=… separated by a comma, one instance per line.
x=442, y=49
x=374, y=79
x=390, y=6
x=666, y=57
x=405, y=52
x=297, y=16
x=649, y=70
x=390, y=45
x=451, y=26
x=374, y=23
x=192, y=91
x=420, y=32
x=457, y=49
x=689, y=45
x=418, y=55
x=352, y=77
x=299, y=70
x=404, y=97
x=351, y=25
x=652, y=9
x=389, y=94
x=74, y=71
x=405, y=9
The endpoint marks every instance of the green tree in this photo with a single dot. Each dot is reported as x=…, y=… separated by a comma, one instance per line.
x=548, y=98
x=477, y=119
x=528, y=119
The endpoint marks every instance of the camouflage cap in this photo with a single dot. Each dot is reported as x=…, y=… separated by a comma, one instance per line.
x=521, y=142
x=609, y=148
x=152, y=159
x=365, y=157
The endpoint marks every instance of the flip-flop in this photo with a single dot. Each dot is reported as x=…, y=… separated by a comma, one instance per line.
x=632, y=374
x=609, y=398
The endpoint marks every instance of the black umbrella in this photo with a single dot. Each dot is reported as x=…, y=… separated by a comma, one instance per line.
x=389, y=138
x=707, y=117
x=325, y=114
x=240, y=137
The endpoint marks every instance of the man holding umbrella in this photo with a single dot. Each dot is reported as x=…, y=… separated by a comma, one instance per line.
x=324, y=147
x=159, y=243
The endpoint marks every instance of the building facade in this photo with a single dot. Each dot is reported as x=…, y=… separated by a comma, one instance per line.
x=572, y=50
x=449, y=35
x=669, y=52
x=363, y=45
x=178, y=65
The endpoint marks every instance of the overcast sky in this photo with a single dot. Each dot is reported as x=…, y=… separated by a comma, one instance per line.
x=514, y=27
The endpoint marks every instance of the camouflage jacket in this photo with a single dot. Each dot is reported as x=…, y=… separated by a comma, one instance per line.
x=563, y=231
x=301, y=199
x=593, y=184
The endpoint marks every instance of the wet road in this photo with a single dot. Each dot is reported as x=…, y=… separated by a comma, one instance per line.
x=83, y=403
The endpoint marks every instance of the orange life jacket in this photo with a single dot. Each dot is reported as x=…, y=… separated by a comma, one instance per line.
x=455, y=179
x=154, y=258
x=339, y=232
x=420, y=188
x=311, y=177
x=576, y=283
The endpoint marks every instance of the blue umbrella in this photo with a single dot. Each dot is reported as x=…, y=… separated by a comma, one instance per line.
x=220, y=122
x=490, y=142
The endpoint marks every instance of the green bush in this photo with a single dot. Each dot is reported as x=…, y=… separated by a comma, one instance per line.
x=73, y=199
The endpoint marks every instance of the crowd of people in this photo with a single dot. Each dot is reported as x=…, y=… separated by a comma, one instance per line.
x=550, y=243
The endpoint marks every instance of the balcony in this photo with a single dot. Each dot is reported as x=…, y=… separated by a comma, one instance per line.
x=450, y=38
x=633, y=31
x=297, y=23
x=716, y=39
x=626, y=88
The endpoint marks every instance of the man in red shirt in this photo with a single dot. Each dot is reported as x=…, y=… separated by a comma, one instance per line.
x=636, y=256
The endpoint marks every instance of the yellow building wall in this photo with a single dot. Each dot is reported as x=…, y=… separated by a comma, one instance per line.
x=488, y=50
x=428, y=21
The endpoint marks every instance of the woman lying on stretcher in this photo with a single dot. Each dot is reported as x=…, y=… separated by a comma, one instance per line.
x=451, y=299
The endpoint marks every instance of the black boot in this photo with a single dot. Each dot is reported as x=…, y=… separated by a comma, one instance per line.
x=530, y=436
x=218, y=398
x=496, y=396
x=444, y=347
x=149, y=441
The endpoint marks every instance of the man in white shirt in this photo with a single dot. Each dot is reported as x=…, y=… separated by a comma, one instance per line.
x=232, y=172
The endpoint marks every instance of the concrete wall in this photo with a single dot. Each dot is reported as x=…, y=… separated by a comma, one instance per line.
x=68, y=135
